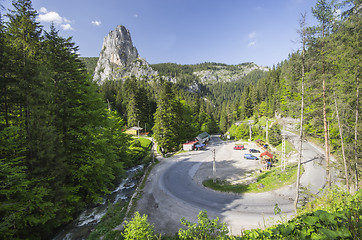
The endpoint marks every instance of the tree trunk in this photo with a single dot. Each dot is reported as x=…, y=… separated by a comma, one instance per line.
x=355, y=135
x=300, y=139
x=303, y=36
x=342, y=145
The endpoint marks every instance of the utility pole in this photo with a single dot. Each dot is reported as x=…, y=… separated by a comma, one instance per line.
x=267, y=135
x=138, y=131
x=153, y=151
x=250, y=132
x=213, y=165
x=283, y=152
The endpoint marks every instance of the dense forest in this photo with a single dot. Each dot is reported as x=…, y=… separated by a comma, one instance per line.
x=61, y=149
x=62, y=144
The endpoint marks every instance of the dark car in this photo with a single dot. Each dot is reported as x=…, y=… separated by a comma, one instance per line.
x=254, y=150
x=250, y=156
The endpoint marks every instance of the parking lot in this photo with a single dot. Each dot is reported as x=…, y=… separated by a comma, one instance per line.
x=231, y=164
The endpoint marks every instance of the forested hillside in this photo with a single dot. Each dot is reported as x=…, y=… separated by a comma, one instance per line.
x=61, y=149
x=328, y=66
x=90, y=63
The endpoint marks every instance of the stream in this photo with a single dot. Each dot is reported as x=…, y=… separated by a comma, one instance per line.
x=85, y=223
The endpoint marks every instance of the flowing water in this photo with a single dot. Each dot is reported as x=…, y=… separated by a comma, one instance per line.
x=86, y=222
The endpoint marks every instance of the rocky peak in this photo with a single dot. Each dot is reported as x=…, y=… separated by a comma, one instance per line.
x=119, y=58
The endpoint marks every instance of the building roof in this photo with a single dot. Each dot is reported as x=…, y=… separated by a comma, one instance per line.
x=191, y=142
x=203, y=135
x=135, y=128
x=266, y=153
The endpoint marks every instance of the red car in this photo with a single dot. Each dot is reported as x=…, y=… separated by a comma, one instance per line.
x=239, y=147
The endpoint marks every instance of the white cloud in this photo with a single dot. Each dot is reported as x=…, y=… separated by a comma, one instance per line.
x=252, y=35
x=135, y=15
x=54, y=17
x=250, y=44
x=252, y=39
x=66, y=27
x=96, y=23
x=43, y=10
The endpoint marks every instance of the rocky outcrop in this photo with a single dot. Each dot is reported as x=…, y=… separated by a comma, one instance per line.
x=119, y=58
x=227, y=73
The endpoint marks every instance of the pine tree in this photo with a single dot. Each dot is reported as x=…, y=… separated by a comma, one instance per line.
x=167, y=119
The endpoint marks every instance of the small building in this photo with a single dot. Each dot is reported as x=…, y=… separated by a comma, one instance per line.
x=189, y=146
x=203, y=137
x=266, y=155
x=134, y=130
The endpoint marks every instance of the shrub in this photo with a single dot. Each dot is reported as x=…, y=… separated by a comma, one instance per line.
x=138, y=228
x=205, y=228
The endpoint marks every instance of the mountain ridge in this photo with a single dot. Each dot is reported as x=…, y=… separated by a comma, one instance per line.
x=119, y=58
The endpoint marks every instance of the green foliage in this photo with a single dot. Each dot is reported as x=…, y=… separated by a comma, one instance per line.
x=288, y=147
x=138, y=228
x=90, y=63
x=339, y=219
x=204, y=229
x=316, y=225
x=145, y=143
x=60, y=148
x=168, y=128
x=275, y=136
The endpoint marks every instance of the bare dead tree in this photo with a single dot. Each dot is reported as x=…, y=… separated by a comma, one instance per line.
x=342, y=143
x=303, y=35
x=356, y=135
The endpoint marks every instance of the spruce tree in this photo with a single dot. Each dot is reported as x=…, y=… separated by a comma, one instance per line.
x=167, y=119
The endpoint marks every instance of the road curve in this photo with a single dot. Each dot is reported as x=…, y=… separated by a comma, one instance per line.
x=174, y=190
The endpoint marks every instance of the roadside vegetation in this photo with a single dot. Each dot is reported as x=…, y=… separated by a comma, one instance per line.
x=334, y=215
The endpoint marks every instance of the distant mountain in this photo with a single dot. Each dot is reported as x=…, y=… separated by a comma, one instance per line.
x=119, y=58
x=227, y=73
x=208, y=72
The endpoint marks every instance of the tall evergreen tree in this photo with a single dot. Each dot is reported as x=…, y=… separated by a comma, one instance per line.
x=167, y=119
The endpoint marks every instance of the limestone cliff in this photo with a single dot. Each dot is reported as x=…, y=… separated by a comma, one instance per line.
x=119, y=58
x=227, y=73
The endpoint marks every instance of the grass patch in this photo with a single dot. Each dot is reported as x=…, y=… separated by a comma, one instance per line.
x=223, y=186
x=181, y=151
x=269, y=180
x=145, y=142
x=288, y=147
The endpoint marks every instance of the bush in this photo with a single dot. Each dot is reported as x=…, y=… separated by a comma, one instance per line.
x=138, y=228
x=335, y=215
x=204, y=229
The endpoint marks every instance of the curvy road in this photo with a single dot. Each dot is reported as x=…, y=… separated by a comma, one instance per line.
x=174, y=190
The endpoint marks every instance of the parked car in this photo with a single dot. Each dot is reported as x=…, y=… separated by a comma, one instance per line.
x=252, y=150
x=250, y=156
x=239, y=147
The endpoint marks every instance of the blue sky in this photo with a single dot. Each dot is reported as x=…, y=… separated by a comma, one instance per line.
x=183, y=31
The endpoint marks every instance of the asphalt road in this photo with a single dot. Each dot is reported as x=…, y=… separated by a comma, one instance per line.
x=174, y=189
